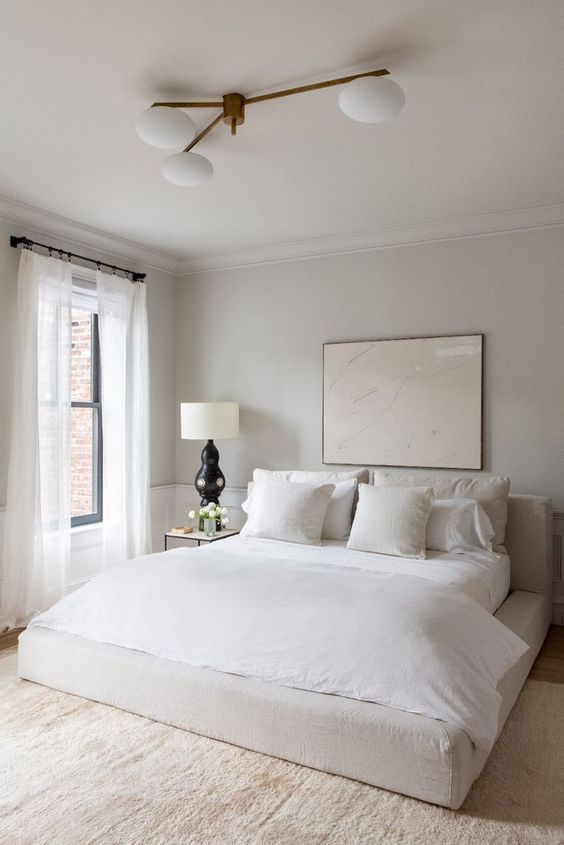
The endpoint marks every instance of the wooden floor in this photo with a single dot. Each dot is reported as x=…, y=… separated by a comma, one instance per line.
x=549, y=665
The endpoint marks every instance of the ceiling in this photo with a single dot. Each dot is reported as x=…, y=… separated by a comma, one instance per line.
x=482, y=130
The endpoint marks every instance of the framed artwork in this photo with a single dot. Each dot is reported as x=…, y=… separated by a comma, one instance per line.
x=413, y=402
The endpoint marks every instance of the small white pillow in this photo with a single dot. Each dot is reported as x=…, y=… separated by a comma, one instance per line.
x=391, y=520
x=458, y=525
x=337, y=522
x=286, y=510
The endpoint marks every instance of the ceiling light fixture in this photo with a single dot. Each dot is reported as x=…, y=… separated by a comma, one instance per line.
x=367, y=97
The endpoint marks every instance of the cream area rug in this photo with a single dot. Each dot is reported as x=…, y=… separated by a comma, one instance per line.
x=73, y=772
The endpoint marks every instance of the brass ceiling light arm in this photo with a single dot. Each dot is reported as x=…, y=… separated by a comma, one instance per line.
x=205, y=131
x=217, y=104
x=314, y=86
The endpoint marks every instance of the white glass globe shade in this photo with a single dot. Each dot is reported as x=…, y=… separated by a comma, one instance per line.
x=187, y=169
x=372, y=99
x=165, y=128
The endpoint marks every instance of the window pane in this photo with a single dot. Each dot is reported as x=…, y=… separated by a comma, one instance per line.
x=83, y=461
x=81, y=356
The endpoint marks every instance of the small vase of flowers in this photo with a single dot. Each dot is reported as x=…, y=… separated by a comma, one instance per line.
x=211, y=512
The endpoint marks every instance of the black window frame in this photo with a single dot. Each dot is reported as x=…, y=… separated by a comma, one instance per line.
x=97, y=438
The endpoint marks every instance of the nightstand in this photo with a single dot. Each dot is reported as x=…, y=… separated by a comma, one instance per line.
x=196, y=538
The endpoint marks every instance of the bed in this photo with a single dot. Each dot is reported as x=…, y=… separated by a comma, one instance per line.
x=428, y=758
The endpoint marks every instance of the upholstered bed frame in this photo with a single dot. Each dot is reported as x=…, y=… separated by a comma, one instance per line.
x=393, y=749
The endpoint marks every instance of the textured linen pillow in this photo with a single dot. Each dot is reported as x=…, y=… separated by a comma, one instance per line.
x=311, y=477
x=458, y=525
x=286, y=510
x=391, y=520
x=337, y=522
x=490, y=491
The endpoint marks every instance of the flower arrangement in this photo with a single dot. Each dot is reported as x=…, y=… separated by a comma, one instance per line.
x=211, y=511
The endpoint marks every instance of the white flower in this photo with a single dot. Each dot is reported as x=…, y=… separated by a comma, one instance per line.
x=224, y=511
x=225, y=520
x=192, y=515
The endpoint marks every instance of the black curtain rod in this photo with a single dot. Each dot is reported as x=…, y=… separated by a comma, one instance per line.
x=16, y=242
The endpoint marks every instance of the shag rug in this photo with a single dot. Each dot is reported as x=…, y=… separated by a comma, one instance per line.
x=78, y=773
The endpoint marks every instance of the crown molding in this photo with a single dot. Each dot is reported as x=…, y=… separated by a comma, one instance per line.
x=485, y=224
x=38, y=222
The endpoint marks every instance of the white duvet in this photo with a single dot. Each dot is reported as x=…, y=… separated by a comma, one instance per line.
x=411, y=635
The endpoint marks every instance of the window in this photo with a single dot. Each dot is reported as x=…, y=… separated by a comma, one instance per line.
x=86, y=413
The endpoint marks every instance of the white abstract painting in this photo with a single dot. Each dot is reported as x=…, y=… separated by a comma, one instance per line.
x=414, y=402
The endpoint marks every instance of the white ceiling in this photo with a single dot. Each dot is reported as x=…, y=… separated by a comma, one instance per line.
x=482, y=130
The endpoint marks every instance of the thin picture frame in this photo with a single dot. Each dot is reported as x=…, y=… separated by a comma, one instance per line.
x=443, y=391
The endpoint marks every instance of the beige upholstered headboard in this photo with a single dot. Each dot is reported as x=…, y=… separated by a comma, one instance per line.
x=528, y=539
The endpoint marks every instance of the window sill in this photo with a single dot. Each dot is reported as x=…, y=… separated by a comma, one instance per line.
x=89, y=526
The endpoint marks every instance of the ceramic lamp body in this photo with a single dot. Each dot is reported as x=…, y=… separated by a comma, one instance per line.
x=204, y=421
x=187, y=169
x=372, y=99
x=210, y=480
x=165, y=128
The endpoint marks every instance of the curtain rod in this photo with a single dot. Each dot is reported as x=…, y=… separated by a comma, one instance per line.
x=16, y=242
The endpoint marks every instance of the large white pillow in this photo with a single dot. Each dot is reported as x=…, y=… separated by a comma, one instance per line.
x=391, y=520
x=490, y=491
x=286, y=510
x=458, y=525
x=338, y=519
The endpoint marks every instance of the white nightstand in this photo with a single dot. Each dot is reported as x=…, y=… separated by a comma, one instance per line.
x=196, y=538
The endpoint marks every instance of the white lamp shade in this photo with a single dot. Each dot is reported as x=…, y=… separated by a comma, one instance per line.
x=187, y=169
x=209, y=420
x=165, y=128
x=372, y=99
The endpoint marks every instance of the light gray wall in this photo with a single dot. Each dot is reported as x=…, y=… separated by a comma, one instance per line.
x=255, y=335
x=161, y=297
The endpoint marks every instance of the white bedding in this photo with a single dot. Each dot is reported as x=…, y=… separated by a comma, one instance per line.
x=415, y=635
x=481, y=575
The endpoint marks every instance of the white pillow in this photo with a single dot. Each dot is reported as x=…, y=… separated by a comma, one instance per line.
x=458, y=525
x=311, y=477
x=490, y=491
x=337, y=522
x=285, y=510
x=391, y=520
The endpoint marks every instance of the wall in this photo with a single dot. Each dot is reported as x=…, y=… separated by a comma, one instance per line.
x=255, y=335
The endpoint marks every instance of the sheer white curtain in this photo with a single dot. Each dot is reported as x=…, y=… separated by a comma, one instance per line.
x=124, y=354
x=37, y=525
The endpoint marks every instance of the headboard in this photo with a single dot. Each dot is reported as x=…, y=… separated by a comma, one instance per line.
x=528, y=539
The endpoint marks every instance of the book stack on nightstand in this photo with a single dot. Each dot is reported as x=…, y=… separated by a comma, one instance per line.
x=188, y=537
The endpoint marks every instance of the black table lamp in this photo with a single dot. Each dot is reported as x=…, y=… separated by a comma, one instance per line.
x=206, y=421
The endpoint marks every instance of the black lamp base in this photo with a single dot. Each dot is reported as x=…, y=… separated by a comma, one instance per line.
x=210, y=480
